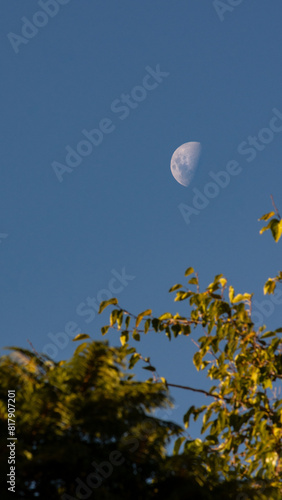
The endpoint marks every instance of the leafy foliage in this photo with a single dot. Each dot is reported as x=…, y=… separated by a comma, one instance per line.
x=71, y=413
x=275, y=226
x=242, y=423
x=74, y=412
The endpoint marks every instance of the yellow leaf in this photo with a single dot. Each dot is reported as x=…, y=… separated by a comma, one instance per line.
x=231, y=293
x=81, y=336
x=141, y=316
x=107, y=303
x=267, y=216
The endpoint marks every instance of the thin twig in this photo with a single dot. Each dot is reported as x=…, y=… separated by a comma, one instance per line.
x=34, y=350
x=199, y=390
x=275, y=207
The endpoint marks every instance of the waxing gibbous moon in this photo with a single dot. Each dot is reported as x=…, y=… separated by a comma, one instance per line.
x=184, y=162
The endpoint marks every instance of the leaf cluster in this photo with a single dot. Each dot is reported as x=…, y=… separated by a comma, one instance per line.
x=242, y=420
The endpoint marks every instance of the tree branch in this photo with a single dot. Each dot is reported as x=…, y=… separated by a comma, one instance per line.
x=199, y=390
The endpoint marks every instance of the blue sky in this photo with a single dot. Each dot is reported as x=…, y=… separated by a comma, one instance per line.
x=215, y=78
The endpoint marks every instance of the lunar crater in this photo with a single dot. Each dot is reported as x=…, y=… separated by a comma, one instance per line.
x=184, y=162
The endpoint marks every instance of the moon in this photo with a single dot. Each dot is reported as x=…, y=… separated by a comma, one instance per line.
x=184, y=162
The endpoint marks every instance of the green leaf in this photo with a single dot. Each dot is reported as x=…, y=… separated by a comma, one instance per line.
x=218, y=277
x=107, y=303
x=135, y=335
x=275, y=225
x=150, y=368
x=147, y=325
x=213, y=287
x=80, y=348
x=276, y=229
x=167, y=332
x=240, y=297
x=275, y=343
x=175, y=287
x=105, y=329
x=127, y=321
x=182, y=296
x=176, y=329
x=187, y=415
x=119, y=318
x=113, y=316
x=155, y=324
x=141, y=316
x=165, y=316
x=267, y=334
x=188, y=271
x=178, y=444
x=186, y=329
x=197, y=360
x=81, y=336
x=130, y=350
x=198, y=411
x=133, y=360
x=193, y=281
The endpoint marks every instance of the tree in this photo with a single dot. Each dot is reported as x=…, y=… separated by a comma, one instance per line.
x=242, y=423
x=86, y=427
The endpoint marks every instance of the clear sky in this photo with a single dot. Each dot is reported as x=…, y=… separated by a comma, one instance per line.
x=77, y=229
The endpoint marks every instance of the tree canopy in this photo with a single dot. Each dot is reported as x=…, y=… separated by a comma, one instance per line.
x=87, y=429
x=242, y=423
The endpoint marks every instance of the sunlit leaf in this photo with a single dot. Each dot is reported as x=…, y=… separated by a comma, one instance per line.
x=276, y=229
x=141, y=316
x=81, y=348
x=124, y=338
x=105, y=329
x=134, y=359
x=269, y=286
x=231, y=294
x=175, y=287
x=267, y=216
x=193, y=281
x=81, y=336
x=107, y=303
x=188, y=271
x=147, y=325
x=165, y=316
